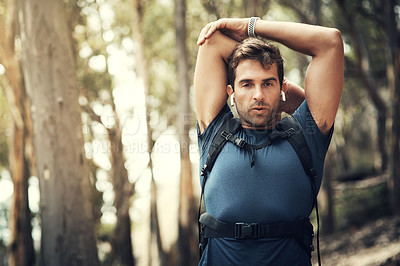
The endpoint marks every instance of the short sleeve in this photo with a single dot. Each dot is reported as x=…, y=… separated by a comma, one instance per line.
x=318, y=143
x=205, y=138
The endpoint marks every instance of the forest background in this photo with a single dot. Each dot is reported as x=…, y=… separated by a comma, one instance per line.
x=98, y=146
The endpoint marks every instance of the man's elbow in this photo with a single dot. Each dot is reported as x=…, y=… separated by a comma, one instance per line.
x=218, y=45
x=335, y=39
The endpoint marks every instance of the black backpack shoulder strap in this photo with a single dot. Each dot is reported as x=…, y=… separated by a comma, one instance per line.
x=229, y=127
x=297, y=140
x=299, y=144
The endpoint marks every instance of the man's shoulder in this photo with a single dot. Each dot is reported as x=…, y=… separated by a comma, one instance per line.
x=309, y=126
x=216, y=123
x=318, y=142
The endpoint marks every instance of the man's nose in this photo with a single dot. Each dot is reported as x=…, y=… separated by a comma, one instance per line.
x=258, y=93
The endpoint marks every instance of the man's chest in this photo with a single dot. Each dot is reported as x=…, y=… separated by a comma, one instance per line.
x=274, y=189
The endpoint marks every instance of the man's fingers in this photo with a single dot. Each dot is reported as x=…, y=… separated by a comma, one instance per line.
x=201, y=38
x=203, y=34
x=208, y=31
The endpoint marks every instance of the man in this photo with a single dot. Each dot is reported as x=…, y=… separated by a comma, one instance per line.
x=276, y=189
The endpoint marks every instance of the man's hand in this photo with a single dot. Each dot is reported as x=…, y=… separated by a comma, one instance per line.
x=234, y=28
x=294, y=95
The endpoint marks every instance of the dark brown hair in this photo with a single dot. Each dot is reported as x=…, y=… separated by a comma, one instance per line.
x=255, y=49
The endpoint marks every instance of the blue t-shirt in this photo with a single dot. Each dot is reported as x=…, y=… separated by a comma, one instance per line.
x=275, y=190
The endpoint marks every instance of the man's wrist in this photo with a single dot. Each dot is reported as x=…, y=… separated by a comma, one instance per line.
x=251, y=27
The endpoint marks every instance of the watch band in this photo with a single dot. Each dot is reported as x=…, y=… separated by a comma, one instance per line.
x=251, y=27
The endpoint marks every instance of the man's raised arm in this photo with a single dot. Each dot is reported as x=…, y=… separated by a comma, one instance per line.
x=210, y=78
x=324, y=77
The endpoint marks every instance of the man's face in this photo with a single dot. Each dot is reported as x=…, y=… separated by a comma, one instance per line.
x=257, y=94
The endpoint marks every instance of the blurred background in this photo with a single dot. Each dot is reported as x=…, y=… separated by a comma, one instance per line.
x=98, y=142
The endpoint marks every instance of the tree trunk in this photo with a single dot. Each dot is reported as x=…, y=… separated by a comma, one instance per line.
x=143, y=67
x=326, y=194
x=121, y=241
x=21, y=244
x=21, y=250
x=155, y=234
x=187, y=214
x=68, y=236
x=393, y=76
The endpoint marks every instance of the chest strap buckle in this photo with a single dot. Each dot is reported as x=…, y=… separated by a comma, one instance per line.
x=247, y=231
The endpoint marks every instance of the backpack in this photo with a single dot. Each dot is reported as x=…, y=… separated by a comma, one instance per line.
x=288, y=128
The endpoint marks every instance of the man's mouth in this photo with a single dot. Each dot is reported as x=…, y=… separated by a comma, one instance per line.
x=259, y=109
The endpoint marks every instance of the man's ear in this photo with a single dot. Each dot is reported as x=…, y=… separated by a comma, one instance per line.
x=229, y=90
x=284, y=85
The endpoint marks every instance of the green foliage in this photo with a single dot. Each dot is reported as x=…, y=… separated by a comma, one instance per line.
x=92, y=82
x=104, y=234
x=3, y=9
x=355, y=207
x=90, y=45
x=159, y=39
x=367, y=17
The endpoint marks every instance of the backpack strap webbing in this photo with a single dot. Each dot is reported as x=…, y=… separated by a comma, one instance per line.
x=300, y=229
x=299, y=144
x=232, y=126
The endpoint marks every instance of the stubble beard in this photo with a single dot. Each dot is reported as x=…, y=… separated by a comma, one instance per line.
x=266, y=121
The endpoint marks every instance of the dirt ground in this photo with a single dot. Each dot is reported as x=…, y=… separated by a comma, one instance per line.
x=374, y=244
